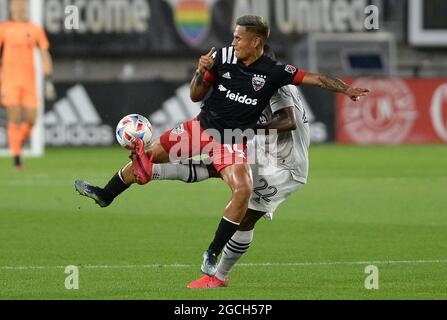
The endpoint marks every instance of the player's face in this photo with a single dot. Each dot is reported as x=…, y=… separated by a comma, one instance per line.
x=19, y=9
x=244, y=43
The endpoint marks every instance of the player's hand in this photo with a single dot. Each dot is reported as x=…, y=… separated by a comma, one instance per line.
x=356, y=93
x=206, y=62
x=50, y=91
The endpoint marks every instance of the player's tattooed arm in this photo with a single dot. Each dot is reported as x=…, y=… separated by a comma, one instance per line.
x=199, y=86
x=334, y=84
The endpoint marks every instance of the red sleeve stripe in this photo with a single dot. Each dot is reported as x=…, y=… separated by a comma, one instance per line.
x=299, y=77
x=209, y=77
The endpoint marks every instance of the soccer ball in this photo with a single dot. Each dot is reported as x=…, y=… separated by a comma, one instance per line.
x=133, y=126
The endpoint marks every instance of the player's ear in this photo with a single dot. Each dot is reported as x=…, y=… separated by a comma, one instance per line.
x=257, y=41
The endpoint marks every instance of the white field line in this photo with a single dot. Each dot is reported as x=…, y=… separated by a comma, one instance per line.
x=247, y=265
x=44, y=182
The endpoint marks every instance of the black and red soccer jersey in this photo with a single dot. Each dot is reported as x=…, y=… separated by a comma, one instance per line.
x=240, y=93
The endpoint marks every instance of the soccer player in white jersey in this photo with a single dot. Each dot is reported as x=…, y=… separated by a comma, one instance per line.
x=281, y=169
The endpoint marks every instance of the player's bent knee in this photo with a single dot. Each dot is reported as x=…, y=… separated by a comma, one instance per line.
x=240, y=182
x=242, y=191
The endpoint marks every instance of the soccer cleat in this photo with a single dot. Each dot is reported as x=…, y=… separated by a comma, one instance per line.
x=141, y=162
x=209, y=264
x=208, y=282
x=87, y=190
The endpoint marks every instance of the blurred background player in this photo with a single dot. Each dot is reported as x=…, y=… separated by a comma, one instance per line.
x=18, y=39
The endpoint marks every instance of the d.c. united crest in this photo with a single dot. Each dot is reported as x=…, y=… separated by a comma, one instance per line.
x=258, y=82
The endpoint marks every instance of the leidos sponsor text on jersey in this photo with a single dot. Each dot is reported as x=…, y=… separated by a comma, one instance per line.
x=241, y=99
x=237, y=96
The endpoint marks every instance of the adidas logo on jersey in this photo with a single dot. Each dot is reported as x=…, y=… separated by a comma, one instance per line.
x=241, y=99
x=227, y=76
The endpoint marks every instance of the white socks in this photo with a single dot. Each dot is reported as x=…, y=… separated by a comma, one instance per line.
x=188, y=173
x=233, y=251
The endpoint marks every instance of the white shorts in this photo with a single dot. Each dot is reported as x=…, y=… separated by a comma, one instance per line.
x=271, y=186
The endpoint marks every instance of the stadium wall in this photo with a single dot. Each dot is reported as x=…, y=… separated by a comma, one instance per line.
x=136, y=56
x=397, y=111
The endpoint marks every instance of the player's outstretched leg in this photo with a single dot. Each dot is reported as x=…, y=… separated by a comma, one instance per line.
x=188, y=172
x=104, y=196
x=233, y=251
x=142, y=163
x=122, y=180
x=146, y=168
x=96, y=193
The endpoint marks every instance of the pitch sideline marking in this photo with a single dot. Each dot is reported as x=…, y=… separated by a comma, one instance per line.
x=266, y=264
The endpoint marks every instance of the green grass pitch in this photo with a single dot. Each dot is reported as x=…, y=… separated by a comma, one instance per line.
x=383, y=206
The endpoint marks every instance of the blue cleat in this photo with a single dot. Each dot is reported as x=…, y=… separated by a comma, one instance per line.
x=209, y=265
x=87, y=190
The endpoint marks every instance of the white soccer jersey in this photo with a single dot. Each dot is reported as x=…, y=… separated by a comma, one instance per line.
x=290, y=150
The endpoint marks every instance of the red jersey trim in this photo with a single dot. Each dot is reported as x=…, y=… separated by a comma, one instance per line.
x=299, y=77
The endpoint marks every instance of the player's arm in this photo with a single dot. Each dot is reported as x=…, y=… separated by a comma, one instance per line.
x=334, y=84
x=201, y=82
x=199, y=87
x=47, y=63
x=283, y=120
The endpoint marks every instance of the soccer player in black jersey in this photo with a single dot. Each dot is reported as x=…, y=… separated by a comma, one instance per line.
x=243, y=80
